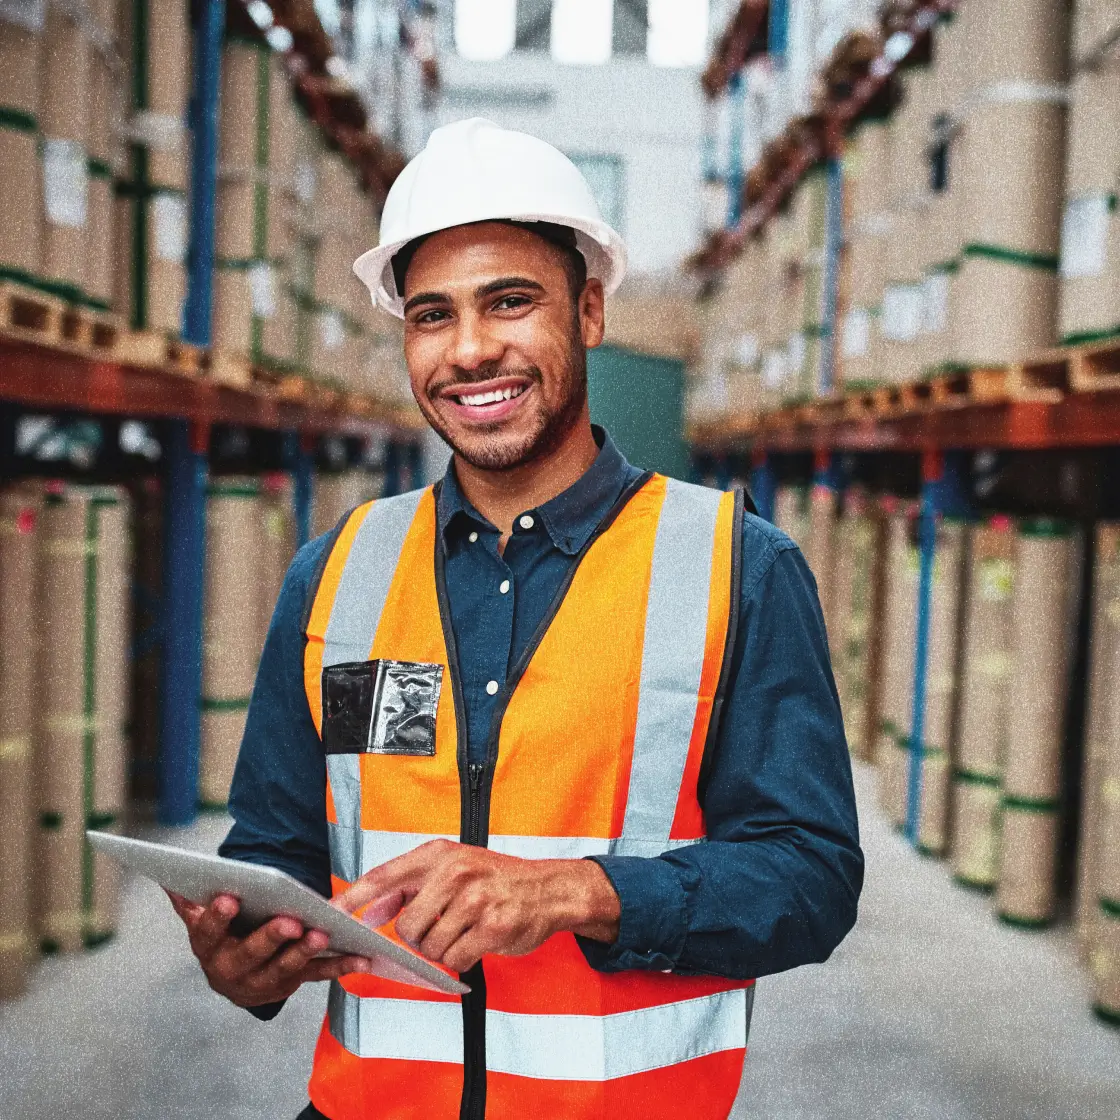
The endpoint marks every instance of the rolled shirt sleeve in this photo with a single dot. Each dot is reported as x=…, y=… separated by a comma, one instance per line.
x=776, y=883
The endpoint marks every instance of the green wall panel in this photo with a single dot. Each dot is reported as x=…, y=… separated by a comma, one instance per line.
x=640, y=401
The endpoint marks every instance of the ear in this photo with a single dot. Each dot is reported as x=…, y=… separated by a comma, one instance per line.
x=592, y=321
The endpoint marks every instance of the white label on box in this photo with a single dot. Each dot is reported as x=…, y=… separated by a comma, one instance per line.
x=169, y=221
x=746, y=350
x=28, y=14
x=1085, y=236
x=935, y=303
x=65, y=183
x=261, y=290
x=305, y=182
x=332, y=334
x=774, y=368
x=902, y=312
x=796, y=351
x=856, y=335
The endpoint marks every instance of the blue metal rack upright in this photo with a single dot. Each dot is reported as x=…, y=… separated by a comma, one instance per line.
x=187, y=457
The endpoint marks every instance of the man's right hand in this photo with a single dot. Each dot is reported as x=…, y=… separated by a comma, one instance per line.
x=265, y=967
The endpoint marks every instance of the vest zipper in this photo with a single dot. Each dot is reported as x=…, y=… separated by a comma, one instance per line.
x=473, y=1104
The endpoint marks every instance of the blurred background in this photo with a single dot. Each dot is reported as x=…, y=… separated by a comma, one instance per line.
x=875, y=276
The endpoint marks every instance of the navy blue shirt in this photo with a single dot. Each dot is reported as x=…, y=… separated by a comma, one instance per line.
x=776, y=883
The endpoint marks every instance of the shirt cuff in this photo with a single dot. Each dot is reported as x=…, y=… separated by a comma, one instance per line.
x=266, y=1011
x=653, y=922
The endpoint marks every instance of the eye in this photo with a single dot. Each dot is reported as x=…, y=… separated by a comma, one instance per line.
x=434, y=315
x=512, y=303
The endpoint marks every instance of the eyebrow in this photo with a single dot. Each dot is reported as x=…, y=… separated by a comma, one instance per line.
x=503, y=284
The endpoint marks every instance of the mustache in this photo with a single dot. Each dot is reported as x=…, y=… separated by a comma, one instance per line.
x=486, y=372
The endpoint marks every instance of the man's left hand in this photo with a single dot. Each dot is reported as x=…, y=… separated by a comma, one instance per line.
x=454, y=902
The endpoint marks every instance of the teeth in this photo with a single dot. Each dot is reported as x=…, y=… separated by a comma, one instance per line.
x=493, y=397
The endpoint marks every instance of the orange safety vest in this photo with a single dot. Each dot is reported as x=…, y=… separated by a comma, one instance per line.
x=597, y=747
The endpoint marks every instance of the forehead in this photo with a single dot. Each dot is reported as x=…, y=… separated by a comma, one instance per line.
x=473, y=254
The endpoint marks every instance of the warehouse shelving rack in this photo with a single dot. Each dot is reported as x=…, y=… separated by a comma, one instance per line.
x=43, y=374
x=1063, y=401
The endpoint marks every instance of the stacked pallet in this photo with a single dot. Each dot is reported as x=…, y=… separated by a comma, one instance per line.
x=278, y=540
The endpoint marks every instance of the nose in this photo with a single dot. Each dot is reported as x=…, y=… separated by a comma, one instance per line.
x=472, y=345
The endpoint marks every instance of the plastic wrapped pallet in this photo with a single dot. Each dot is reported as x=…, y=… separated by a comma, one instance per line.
x=942, y=666
x=1010, y=174
x=1096, y=30
x=899, y=647
x=982, y=742
x=1104, y=664
x=231, y=627
x=83, y=656
x=20, y=192
x=19, y=510
x=278, y=539
x=152, y=211
x=1090, y=267
x=791, y=513
x=338, y=493
x=1042, y=624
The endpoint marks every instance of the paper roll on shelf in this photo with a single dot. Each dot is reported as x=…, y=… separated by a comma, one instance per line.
x=1043, y=621
x=19, y=511
x=982, y=742
x=231, y=627
x=83, y=657
x=900, y=619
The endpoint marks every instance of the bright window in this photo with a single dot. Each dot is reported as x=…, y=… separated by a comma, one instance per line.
x=581, y=31
x=485, y=29
x=678, y=32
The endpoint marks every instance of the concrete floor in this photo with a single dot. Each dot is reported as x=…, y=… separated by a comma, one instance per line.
x=929, y=1010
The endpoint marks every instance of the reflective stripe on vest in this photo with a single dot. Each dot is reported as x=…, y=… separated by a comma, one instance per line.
x=599, y=748
x=549, y=1047
x=354, y=850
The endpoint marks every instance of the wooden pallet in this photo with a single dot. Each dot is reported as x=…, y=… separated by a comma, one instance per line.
x=86, y=330
x=229, y=369
x=1096, y=367
x=30, y=315
x=1044, y=378
x=152, y=350
x=294, y=388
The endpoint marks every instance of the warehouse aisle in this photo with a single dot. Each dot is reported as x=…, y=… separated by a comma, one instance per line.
x=929, y=1010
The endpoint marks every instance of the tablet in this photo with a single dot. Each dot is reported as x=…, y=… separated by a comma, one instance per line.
x=266, y=892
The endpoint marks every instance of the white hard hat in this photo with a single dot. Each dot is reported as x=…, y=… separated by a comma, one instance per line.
x=474, y=171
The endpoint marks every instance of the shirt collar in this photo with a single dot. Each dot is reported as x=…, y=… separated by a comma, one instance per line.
x=570, y=518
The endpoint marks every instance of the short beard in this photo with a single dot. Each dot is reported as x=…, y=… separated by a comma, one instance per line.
x=550, y=432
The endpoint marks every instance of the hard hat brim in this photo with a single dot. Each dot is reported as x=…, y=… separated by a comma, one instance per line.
x=601, y=246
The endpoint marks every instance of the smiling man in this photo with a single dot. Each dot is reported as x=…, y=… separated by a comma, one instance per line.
x=566, y=727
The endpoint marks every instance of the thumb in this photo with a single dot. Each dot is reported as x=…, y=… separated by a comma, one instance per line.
x=383, y=909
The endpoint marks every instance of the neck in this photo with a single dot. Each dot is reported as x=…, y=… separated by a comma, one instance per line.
x=501, y=495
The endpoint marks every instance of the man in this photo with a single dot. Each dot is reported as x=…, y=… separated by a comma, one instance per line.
x=568, y=727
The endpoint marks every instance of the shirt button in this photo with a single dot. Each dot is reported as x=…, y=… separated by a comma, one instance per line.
x=473, y=537
x=526, y=521
x=504, y=587
x=492, y=687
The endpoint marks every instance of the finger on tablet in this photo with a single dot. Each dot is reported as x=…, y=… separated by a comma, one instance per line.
x=331, y=968
x=212, y=926
x=293, y=959
x=263, y=944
